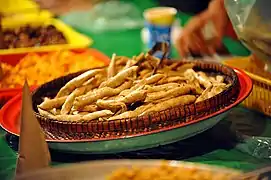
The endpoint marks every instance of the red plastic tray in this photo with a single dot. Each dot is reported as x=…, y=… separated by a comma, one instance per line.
x=10, y=113
x=13, y=59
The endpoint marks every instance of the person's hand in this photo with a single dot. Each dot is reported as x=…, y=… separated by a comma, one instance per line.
x=192, y=39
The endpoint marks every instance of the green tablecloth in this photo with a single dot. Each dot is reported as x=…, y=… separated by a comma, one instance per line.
x=129, y=43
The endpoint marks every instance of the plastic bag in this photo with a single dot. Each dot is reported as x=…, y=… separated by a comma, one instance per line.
x=251, y=21
x=106, y=16
x=259, y=147
x=253, y=131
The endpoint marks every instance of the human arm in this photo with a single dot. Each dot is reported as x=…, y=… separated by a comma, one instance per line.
x=192, y=39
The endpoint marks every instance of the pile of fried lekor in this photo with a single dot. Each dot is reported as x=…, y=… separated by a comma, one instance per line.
x=130, y=87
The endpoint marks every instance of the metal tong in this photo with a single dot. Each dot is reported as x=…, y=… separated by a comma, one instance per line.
x=164, y=48
x=159, y=47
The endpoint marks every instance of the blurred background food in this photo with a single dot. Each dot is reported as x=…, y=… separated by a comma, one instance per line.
x=30, y=36
x=41, y=68
x=64, y=6
x=169, y=173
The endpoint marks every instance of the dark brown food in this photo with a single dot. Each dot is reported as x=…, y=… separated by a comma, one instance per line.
x=27, y=36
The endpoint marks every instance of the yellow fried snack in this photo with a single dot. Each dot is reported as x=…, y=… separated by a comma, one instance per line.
x=39, y=69
x=166, y=172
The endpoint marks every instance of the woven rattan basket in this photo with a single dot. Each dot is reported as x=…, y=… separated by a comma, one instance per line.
x=260, y=97
x=154, y=121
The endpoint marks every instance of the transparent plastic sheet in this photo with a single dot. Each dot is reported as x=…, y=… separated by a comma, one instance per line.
x=251, y=21
x=253, y=131
x=106, y=16
x=259, y=147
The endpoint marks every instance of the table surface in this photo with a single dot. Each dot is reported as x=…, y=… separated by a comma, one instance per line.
x=215, y=146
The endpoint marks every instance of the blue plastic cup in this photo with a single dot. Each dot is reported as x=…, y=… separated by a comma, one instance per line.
x=158, y=22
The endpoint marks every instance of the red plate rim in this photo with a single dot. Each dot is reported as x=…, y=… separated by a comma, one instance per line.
x=99, y=55
x=245, y=90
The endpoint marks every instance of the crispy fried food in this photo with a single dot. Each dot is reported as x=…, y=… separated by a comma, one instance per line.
x=46, y=113
x=124, y=115
x=121, y=102
x=119, y=78
x=111, y=70
x=204, y=95
x=125, y=85
x=178, y=91
x=127, y=89
x=67, y=106
x=70, y=99
x=176, y=101
x=77, y=82
x=121, y=60
x=94, y=96
x=163, y=87
x=150, y=80
x=97, y=115
x=134, y=96
x=49, y=104
x=112, y=105
x=42, y=68
x=184, y=67
x=200, y=76
x=167, y=172
x=89, y=108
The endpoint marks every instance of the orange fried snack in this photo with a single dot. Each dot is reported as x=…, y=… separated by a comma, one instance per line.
x=166, y=172
x=39, y=69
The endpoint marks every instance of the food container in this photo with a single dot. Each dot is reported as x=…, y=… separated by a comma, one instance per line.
x=75, y=40
x=87, y=144
x=18, y=6
x=13, y=59
x=260, y=98
x=22, y=9
x=132, y=126
x=41, y=14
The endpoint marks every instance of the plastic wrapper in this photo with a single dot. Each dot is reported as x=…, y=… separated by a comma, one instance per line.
x=252, y=130
x=259, y=147
x=106, y=16
x=251, y=21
